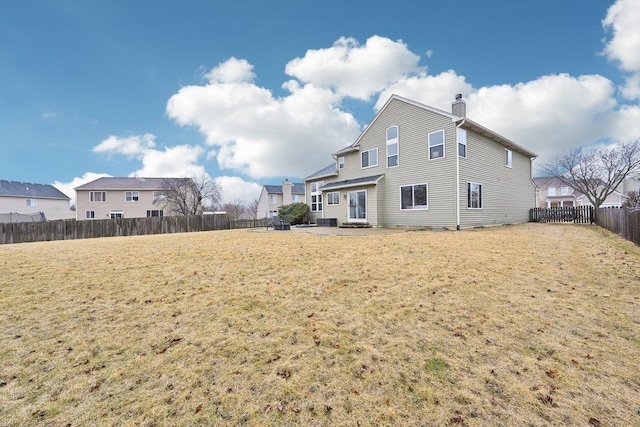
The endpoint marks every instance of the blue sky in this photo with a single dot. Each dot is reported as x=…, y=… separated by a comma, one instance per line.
x=252, y=92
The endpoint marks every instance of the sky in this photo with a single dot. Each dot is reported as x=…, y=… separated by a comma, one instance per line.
x=254, y=92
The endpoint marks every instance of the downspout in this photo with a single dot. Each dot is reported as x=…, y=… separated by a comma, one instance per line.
x=458, y=176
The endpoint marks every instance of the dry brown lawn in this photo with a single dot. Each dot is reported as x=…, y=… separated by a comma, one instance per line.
x=528, y=325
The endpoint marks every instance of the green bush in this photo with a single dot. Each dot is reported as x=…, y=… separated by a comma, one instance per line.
x=297, y=212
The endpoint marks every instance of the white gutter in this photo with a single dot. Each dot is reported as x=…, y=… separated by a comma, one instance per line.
x=458, y=176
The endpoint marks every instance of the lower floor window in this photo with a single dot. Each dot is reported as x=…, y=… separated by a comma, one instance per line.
x=333, y=198
x=155, y=212
x=413, y=196
x=89, y=214
x=116, y=214
x=316, y=202
x=474, y=195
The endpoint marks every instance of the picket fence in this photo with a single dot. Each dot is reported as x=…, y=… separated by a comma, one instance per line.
x=71, y=229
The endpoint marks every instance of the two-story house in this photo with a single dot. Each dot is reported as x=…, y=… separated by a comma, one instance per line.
x=553, y=193
x=274, y=196
x=29, y=199
x=418, y=166
x=110, y=197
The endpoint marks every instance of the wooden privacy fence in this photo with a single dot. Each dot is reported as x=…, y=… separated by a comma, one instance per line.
x=622, y=221
x=71, y=229
x=251, y=223
x=575, y=214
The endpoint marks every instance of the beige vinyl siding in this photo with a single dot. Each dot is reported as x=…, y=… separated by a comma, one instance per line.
x=116, y=201
x=507, y=193
x=414, y=167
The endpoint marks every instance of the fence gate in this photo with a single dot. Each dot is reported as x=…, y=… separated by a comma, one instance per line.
x=575, y=214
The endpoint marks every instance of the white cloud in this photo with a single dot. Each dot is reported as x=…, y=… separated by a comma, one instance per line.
x=353, y=70
x=259, y=135
x=624, y=46
x=234, y=187
x=134, y=146
x=68, y=188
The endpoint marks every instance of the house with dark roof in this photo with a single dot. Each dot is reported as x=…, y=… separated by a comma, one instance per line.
x=32, y=200
x=419, y=166
x=274, y=196
x=113, y=197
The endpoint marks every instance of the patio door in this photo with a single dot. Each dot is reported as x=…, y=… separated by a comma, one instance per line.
x=358, y=206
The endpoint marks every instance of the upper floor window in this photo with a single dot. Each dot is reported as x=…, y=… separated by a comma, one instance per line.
x=369, y=158
x=131, y=196
x=340, y=162
x=508, y=158
x=273, y=198
x=392, y=146
x=98, y=196
x=436, y=144
x=474, y=195
x=462, y=142
x=31, y=202
x=565, y=191
x=413, y=196
x=333, y=198
x=295, y=198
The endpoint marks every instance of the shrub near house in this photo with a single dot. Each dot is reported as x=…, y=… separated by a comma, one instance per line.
x=297, y=212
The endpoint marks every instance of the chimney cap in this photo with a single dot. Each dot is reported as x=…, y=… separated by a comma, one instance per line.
x=458, y=96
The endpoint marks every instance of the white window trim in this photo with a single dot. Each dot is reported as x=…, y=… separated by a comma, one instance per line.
x=31, y=203
x=150, y=211
x=116, y=212
x=103, y=194
x=413, y=206
x=88, y=214
x=460, y=142
x=329, y=195
x=273, y=199
x=132, y=198
x=340, y=162
x=393, y=141
x=318, y=195
x=429, y=144
x=369, y=156
x=481, y=203
x=508, y=158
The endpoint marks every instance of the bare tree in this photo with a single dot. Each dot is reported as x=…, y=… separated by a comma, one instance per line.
x=189, y=196
x=252, y=209
x=633, y=199
x=234, y=209
x=596, y=173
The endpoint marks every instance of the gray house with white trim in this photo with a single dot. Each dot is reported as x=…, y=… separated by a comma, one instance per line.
x=27, y=198
x=418, y=166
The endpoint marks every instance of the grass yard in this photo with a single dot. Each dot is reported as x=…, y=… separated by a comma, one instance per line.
x=528, y=325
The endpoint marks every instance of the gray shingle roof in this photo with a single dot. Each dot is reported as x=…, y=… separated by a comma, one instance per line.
x=298, y=188
x=115, y=183
x=29, y=190
x=329, y=170
x=367, y=180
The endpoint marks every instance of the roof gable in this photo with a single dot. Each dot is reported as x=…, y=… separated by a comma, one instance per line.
x=30, y=190
x=463, y=121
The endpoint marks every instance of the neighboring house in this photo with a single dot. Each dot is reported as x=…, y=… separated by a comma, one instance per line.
x=553, y=193
x=109, y=197
x=418, y=166
x=274, y=196
x=28, y=198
